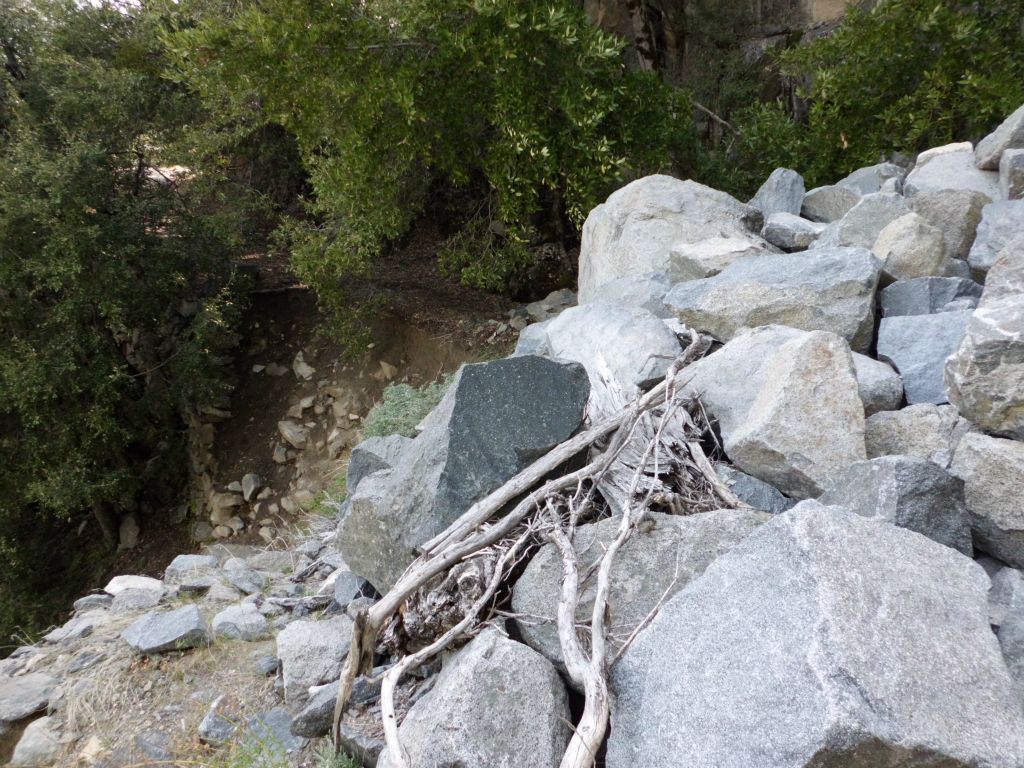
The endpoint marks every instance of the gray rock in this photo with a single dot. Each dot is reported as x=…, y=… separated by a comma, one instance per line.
x=708, y=257
x=1009, y=135
x=863, y=223
x=349, y=587
x=551, y=306
x=957, y=212
x=185, y=567
x=1001, y=223
x=39, y=745
x=928, y=431
x=752, y=491
x=806, y=421
x=496, y=419
x=928, y=295
x=1006, y=277
x=269, y=737
x=791, y=233
x=464, y=720
x=824, y=290
x=373, y=455
x=867, y=181
x=90, y=602
x=950, y=167
x=879, y=386
x=985, y=376
x=132, y=600
x=311, y=653
x=251, y=485
x=243, y=577
x=217, y=727
x=829, y=203
x=119, y=584
x=993, y=473
x=25, y=695
x=75, y=629
x=1011, y=642
x=1011, y=174
x=533, y=340
x=638, y=228
x=1006, y=595
x=645, y=291
x=909, y=492
x=777, y=656
x=295, y=434
x=782, y=192
x=917, y=347
x=657, y=561
x=910, y=247
x=240, y=622
x=163, y=631
x=316, y=717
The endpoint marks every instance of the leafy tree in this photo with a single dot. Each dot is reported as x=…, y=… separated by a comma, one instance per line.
x=390, y=100
x=116, y=295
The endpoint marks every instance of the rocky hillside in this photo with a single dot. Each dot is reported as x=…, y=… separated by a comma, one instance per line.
x=754, y=501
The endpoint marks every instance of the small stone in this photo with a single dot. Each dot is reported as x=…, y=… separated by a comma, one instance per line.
x=280, y=455
x=301, y=368
x=296, y=435
x=185, y=567
x=217, y=726
x=240, y=622
x=90, y=602
x=77, y=628
x=242, y=577
x=251, y=484
x=175, y=630
x=752, y=491
x=266, y=664
x=276, y=370
x=867, y=181
x=348, y=587
x=879, y=386
x=222, y=532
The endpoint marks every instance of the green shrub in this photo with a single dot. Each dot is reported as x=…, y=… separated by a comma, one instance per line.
x=402, y=407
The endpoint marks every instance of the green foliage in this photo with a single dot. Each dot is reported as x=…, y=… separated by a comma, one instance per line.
x=389, y=99
x=402, y=407
x=900, y=78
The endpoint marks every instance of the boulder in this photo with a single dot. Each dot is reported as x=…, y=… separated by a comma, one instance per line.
x=119, y=584
x=822, y=639
x=708, y=257
x=909, y=247
x=791, y=233
x=957, y=212
x=929, y=295
x=240, y=622
x=551, y=305
x=867, y=181
x=752, y=491
x=251, y=485
x=1011, y=642
x=950, y=167
x=1001, y=223
x=348, y=587
x=219, y=723
x=312, y=653
x=1011, y=174
x=645, y=291
x=863, y=223
x=909, y=492
x=243, y=577
x=993, y=473
x=639, y=227
x=24, y=695
x=917, y=347
x=533, y=340
x=806, y=421
x=133, y=600
x=1009, y=135
x=657, y=561
x=824, y=290
x=39, y=745
x=1006, y=277
x=879, y=386
x=829, y=203
x=496, y=703
x=185, y=568
x=163, y=631
x=1006, y=595
x=268, y=737
x=373, y=455
x=496, y=419
x=782, y=192
x=90, y=602
x=985, y=376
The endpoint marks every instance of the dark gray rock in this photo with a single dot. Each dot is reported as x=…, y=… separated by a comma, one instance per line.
x=496, y=703
x=496, y=419
x=1009, y=135
x=349, y=587
x=646, y=291
x=316, y=717
x=269, y=737
x=907, y=491
x=1001, y=223
x=311, y=653
x=752, y=491
x=661, y=559
x=176, y=630
x=829, y=203
x=216, y=728
x=823, y=290
x=867, y=181
x=791, y=233
x=1006, y=595
x=25, y=695
x=822, y=639
x=928, y=295
x=266, y=664
x=917, y=347
x=782, y=192
x=373, y=455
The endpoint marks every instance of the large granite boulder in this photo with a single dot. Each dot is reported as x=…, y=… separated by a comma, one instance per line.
x=1006, y=277
x=910, y=247
x=645, y=291
x=637, y=229
x=950, y=167
x=780, y=441
x=928, y=431
x=867, y=181
x=496, y=703
x=993, y=473
x=658, y=560
x=1009, y=135
x=917, y=347
x=957, y=212
x=822, y=639
x=829, y=203
x=929, y=295
x=1001, y=223
x=39, y=745
x=985, y=377
x=312, y=653
x=824, y=290
x=782, y=192
x=862, y=224
x=495, y=420
x=24, y=695
x=163, y=631
x=373, y=455
x=907, y=491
